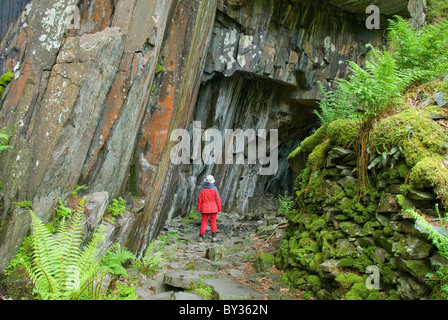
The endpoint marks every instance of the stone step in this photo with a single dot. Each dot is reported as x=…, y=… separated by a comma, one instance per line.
x=226, y=289
x=186, y=279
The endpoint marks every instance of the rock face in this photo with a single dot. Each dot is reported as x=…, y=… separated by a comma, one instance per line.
x=9, y=11
x=100, y=86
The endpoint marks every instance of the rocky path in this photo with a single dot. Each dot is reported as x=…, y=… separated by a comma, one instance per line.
x=238, y=266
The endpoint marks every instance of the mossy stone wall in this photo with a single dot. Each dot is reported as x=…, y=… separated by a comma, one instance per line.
x=337, y=235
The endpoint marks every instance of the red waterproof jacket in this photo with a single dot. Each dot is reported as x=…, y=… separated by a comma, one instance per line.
x=209, y=200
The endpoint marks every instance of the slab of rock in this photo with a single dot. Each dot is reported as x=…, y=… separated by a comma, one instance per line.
x=202, y=264
x=222, y=252
x=169, y=295
x=421, y=195
x=95, y=207
x=235, y=273
x=388, y=204
x=413, y=248
x=186, y=296
x=439, y=98
x=185, y=279
x=225, y=289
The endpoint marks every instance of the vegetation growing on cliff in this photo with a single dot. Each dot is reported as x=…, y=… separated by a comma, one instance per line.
x=4, y=81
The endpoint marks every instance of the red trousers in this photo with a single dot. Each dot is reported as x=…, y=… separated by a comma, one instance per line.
x=204, y=224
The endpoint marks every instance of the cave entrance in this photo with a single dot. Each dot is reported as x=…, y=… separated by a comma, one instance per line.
x=246, y=102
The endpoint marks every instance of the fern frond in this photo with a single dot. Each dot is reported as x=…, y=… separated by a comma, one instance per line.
x=59, y=268
x=43, y=268
x=151, y=258
x=114, y=260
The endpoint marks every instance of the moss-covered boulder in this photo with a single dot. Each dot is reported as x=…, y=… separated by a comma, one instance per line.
x=423, y=144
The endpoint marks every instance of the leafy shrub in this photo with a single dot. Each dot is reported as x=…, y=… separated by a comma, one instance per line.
x=24, y=254
x=122, y=291
x=78, y=188
x=285, y=205
x=192, y=215
x=62, y=212
x=149, y=262
x=61, y=268
x=113, y=262
x=117, y=207
x=367, y=91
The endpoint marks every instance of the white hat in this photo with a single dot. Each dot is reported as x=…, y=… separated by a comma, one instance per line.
x=209, y=179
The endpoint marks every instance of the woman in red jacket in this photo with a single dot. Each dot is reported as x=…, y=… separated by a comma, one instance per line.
x=209, y=204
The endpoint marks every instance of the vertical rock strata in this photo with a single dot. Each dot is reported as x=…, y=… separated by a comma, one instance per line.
x=93, y=102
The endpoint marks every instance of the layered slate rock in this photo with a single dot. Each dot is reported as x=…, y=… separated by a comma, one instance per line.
x=90, y=105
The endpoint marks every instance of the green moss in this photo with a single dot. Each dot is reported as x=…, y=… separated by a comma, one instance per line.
x=315, y=189
x=342, y=132
x=351, y=190
x=402, y=201
x=387, y=273
x=387, y=231
x=360, y=263
x=418, y=267
x=23, y=204
x=432, y=172
x=4, y=81
x=369, y=227
x=444, y=86
x=317, y=260
x=308, y=145
x=417, y=134
x=437, y=9
x=401, y=170
x=294, y=278
x=358, y=291
x=317, y=225
x=348, y=279
x=159, y=69
x=332, y=172
x=376, y=295
x=267, y=257
x=314, y=282
x=347, y=206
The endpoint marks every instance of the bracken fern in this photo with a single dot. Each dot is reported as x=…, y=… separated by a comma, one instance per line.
x=59, y=268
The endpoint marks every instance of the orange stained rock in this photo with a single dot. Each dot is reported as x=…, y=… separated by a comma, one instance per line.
x=115, y=99
x=17, y=86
